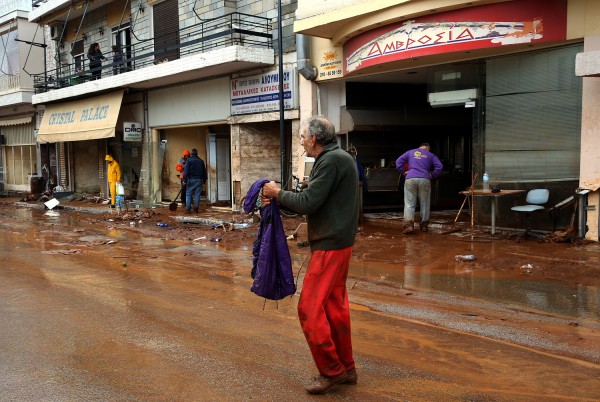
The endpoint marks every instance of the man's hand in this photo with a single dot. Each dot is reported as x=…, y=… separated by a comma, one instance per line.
x=270, y=190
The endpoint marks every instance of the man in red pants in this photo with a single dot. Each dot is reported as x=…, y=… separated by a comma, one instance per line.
x=331, y=204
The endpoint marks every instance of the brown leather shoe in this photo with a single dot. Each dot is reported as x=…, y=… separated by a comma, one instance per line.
x=424, y=226
x=321, y=383
x=352, y=378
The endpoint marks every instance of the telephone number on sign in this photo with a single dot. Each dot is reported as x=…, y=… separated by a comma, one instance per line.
x=330, y=73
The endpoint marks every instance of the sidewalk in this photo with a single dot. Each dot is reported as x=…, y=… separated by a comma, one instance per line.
x=441, y=221
x=207, y=216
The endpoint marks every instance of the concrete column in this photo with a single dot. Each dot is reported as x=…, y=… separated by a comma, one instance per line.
x=590, y=131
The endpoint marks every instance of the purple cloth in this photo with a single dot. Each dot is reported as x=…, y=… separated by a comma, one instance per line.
x=271, y=262
x=421, y=164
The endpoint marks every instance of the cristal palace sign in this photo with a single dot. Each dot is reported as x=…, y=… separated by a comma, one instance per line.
x=501, y=24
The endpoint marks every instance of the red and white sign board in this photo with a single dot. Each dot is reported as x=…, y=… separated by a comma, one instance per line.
x=494, y=25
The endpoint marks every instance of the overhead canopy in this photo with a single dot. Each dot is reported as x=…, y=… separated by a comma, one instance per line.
x=86, y=119
x=14, y=120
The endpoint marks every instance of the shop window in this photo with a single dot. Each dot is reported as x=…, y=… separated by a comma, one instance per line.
x=19, y=165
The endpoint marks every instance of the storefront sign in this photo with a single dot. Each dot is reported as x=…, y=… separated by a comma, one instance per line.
x=260, y=93
x=330, y=63
x=494, y=25
x=132, y=131
x=87, y=119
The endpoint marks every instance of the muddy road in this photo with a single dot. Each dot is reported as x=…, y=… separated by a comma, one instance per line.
x=95, y=308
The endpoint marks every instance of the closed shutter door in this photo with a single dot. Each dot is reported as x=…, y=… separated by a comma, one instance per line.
x=533, y=116
x=166, y=30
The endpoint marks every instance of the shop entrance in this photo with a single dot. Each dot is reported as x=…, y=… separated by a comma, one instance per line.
x=392, y=114
x=212, y=143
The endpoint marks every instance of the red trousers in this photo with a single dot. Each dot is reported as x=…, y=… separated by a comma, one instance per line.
x=324, y=312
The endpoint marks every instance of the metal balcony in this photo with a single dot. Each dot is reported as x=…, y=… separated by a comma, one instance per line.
x=229, y=30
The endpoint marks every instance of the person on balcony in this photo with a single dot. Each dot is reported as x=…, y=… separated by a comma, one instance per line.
x=117, y=60
x=95, y=56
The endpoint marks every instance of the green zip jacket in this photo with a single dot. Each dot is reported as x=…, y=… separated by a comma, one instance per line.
x=330, y=201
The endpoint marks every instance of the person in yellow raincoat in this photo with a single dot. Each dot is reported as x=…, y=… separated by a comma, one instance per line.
x=113, y=175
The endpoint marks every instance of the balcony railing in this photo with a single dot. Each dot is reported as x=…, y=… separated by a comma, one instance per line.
x=228, y=30
x=10, y=83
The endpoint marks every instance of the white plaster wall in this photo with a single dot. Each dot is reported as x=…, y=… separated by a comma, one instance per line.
x=590, y=141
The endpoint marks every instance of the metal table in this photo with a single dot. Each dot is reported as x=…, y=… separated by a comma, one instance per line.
x=494, y=200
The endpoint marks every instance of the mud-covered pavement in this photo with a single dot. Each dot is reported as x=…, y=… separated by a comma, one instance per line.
x=95, y=308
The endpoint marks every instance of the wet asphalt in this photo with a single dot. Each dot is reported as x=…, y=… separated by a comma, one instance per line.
x=94, y=309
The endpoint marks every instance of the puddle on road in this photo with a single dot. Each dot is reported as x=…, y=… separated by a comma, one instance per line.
x=515, y=274
x=503, y=271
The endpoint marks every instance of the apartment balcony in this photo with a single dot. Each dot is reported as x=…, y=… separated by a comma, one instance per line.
x=13, y=92
x=222, y=46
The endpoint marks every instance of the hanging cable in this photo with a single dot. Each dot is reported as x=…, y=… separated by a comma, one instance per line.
x=133, y=22
x=121, y=23
x=31, y=45
x=5, y=45
x=62, y=34
x=81, y=21
x=197, y=15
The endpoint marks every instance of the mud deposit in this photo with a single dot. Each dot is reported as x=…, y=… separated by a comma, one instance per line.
x=97, y=307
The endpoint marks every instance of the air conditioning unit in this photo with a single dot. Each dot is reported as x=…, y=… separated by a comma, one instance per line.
x=56, y=30
x=452, y=98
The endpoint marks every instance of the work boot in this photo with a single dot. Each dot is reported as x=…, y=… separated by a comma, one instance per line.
x=196, y=210
x=321, y=383
x=187, y=211
x=409, y=227
x=352, y=378
x=424, y=226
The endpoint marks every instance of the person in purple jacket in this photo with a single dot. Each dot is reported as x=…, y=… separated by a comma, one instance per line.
x=419, y=166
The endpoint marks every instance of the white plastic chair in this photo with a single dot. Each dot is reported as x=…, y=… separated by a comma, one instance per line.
x=535, y=202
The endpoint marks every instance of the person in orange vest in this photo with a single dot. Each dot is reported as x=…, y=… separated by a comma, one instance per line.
x=180, y=166
x=113, y=175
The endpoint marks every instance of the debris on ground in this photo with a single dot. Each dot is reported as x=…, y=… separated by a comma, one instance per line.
x=561, y=236
x=466, y=257
x=66, y=252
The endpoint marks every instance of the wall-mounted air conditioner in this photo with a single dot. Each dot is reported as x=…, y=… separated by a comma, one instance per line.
x=452, y=98
x=56, y=30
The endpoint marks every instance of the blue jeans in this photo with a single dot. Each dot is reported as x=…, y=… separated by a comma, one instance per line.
x=193, y=189
x=413, y=189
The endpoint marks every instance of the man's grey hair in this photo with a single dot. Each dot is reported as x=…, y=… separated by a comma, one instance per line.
x=322, y=129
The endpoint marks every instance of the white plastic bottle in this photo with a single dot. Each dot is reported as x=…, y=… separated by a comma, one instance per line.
x=486, y=182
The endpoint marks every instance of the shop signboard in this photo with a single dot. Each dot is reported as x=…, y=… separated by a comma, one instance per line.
x=479, y=27
x=260, y=93
x=132, y=131
x=330, y=63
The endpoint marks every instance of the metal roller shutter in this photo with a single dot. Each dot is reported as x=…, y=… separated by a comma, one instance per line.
x=166, y=30
x=533, y=116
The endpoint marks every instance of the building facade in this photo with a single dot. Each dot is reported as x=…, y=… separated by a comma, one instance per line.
x=491, y=85
x=175, y=75
x=21, y=162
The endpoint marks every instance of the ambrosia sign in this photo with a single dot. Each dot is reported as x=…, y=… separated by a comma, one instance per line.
x=466, y=29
